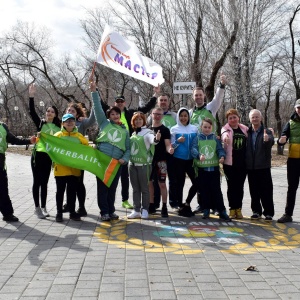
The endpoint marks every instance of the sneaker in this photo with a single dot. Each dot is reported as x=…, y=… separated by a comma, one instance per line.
x=215, y=212
x=145, y=214
x=255, y=216
x=205, y=214
x=268, y=218
x=65, y=208
x=75, y=216
x=238, y=214
x=164, y=212
x=198, y=210
x=59, y=217
x=134, y=215
x=105, y=217
x=223, y=216
x=82, y=212
x=114, y=216
x=45, y=212
x=126, y=204
x=10, y=218
x=232, y=213
x=152, y=209
x=38, y=212
x=285, y=219
x=175, y=209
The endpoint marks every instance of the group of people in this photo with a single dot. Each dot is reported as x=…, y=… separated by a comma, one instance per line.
x=148, y=149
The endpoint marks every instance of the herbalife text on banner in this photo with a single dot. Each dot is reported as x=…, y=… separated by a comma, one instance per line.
x=122, y=55
x=80, y=157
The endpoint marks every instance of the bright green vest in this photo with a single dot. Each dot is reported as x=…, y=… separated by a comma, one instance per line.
x=138, y=151
x=3, y=143
x=294, y=132
x=168, y=121
x=207, y=148
x=48, y=128
x=113, y=134
x=199, y=115
x=124, y=121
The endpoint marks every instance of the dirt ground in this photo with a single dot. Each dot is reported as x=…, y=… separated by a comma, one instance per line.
x=277, y=160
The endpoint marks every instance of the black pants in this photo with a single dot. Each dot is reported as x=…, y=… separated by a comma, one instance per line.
x=210, y=189
x=293, y=174
x=81, y=192
x=106, y=195
x=41, y=169
x=124, y=182
x=63, y=182
x=184, y=167
x=172, y=184
x=261, y=191
x=5, y=203
x=235, y=185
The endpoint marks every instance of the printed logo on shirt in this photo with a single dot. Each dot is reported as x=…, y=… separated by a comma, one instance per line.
x=114, y=135
x=134, y=148
x=50, y=131
x=208, y=151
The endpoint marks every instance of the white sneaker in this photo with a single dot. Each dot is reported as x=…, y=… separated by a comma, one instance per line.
x=134, y=215
x=145, y=214
x=45, y=212
x=38, y=212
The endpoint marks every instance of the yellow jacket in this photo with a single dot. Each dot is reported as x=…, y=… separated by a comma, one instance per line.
x=74, y=137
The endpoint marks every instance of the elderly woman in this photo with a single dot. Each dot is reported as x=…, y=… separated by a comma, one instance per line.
x=234, y=137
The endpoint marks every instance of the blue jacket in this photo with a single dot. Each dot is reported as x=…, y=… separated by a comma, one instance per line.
x=108, y=148
x=219, y=149
x=183, y=150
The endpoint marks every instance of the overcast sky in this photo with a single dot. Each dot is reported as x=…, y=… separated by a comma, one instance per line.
x=60, y=16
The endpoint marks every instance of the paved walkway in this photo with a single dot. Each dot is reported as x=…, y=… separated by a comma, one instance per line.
x=175, y=258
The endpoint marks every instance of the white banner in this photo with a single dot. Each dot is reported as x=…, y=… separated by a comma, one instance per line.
x=122, y=55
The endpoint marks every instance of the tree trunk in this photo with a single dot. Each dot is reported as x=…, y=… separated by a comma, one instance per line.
x=278, y=122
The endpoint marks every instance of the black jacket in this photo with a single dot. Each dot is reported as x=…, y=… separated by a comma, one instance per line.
x=261, y=157
x=129, y=112
x=12, y=139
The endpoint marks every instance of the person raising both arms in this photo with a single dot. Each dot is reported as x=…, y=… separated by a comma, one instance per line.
x=40, y=161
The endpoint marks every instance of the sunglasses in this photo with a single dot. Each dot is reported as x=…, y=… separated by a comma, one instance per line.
x=120, y=101
x=138, y=112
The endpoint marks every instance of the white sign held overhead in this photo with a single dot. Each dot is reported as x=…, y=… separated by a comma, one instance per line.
x=183, y=87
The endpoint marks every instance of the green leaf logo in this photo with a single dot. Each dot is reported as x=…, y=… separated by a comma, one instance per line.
x=114, y=135
x=134, y=149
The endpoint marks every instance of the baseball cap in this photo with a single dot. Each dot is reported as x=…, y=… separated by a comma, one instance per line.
x=297, y=104
x=67, y=117
x=120, y=97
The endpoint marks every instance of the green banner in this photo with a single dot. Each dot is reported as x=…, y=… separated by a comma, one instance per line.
x=80, y=156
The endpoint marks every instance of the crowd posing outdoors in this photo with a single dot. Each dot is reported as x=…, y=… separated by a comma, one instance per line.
x=148, y=150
